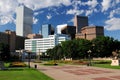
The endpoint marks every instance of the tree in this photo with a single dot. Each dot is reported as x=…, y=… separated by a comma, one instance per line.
x=49, y=52
x=104, y=46
x=76, y=48
x=4, y=52
x=84, y=46
x=55, y=53
x=59, y=51
x=67, y=48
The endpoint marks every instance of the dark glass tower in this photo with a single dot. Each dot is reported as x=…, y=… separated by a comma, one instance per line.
x=80, y=22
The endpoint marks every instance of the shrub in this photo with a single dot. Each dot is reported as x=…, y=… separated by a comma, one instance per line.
x=17, y=64
x=80, y=62
x=51, y=63
x=102, y=62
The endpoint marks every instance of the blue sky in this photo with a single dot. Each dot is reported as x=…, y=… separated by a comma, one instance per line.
x=100, y=13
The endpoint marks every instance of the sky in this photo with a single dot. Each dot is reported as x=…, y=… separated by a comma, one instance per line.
x=104, y=13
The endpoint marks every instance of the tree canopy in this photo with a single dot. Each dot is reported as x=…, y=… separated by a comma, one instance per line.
x=4, y=52
x=78, y=48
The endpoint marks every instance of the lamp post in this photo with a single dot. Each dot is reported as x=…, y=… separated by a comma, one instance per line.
x=29, y=52
x=0, y=56
x=39, y=55
x=89, y=57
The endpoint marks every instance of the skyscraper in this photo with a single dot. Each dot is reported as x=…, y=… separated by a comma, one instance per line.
x=80, y=22
x=47, y=30
x=24, y=21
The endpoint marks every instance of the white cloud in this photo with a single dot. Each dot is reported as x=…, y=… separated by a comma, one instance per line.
x=113, y=24
x=37, y=4
x=91, y=3
x=37, y=13
x=91, y=11
x=117, y=11
x=72, y=20
x=49, y=16
x=8, y=7
x=117, y=1
x=74, y=11
x=114, y=12
x=88, y=12
x=35, y=20
x=6, y=19
x=106, y=4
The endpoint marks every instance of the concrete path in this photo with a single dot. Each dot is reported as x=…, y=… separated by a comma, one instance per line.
x=75, y=72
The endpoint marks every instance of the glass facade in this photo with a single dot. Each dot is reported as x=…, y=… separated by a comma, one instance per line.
x=24, y=21
x=42, y=44
x=46, y=30
x=34, y=46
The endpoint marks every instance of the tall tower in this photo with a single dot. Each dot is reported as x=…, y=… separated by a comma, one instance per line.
x=47, y=30
x=24, y=21
x=80, y=22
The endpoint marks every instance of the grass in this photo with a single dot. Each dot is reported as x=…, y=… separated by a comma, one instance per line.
x=23, y=74
x=104, y=64
x=95, y=63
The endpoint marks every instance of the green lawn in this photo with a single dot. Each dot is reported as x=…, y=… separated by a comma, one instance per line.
x=23, y=74
x=106, y=66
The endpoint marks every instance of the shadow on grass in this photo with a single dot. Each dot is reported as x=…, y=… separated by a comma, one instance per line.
x=14, y=69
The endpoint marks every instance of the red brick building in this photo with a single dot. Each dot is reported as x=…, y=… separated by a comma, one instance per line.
x=90, y=32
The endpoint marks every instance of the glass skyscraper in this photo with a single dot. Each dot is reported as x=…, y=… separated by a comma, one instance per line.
x=47, y=30
x=80, y=22
x=24, y=21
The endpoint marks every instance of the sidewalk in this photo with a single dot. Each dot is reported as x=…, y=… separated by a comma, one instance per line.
x=74, y=72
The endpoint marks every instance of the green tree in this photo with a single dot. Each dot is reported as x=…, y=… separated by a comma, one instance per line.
x=59, y=51
x=67, y=50
x=104, y=46
x=76, y=48
x=55, y=53
x=4, y=52
x=49, y=52
x=84, y=46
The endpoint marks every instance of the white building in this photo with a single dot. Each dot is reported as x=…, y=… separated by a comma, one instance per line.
x=60, y=27
x=42, y=44
x=24, y=21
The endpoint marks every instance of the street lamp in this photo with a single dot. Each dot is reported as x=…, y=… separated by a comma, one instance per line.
x=0, y=56
x=29, y=52
x=89, y=57
x=39, y=55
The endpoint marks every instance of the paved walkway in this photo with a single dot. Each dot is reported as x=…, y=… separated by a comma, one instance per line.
x=75, y=72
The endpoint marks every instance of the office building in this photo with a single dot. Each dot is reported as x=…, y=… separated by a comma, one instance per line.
x=80, y=22
x=41, y=45
x=24, y=21
x=90, y=32
x=47, y=30
x=15, y=42
x=33, y=36
x=66, y=29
